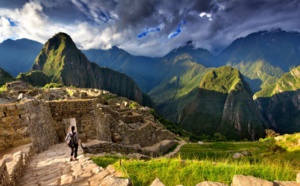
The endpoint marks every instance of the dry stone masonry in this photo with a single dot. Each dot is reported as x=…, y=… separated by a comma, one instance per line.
x=41, y=121
x=100, y=116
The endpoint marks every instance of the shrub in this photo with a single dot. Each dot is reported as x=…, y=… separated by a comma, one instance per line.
x=53, y=85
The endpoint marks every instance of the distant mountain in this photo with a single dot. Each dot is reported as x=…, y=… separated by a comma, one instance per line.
x=223, y=104
x=142, y=69
x=5, y=77
x=280, y=102
x=63, y=63
x=169, y=80
x=181, y=77
x=17, y=56
x=263, y=57
x=146, y=71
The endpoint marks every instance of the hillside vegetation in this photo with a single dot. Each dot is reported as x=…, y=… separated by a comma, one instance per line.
x=5, y=77
x=223, y=104
x=265, y=159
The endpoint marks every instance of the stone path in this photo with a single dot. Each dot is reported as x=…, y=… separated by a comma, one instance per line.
x=53, y=167
x=171, y=154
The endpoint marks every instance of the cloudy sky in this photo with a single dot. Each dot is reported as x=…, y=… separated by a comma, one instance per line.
x=146, y=27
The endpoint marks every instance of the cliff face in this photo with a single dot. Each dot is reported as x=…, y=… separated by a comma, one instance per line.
x=223, y=104
x=280, y=102
x=63, y=63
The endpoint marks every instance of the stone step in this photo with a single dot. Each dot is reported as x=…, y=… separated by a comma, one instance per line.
x=53, y=167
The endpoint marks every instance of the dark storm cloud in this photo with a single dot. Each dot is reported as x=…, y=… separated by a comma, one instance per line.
x=12, y=3
x=154, y=27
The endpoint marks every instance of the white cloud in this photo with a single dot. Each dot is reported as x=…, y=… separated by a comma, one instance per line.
x=204, y=14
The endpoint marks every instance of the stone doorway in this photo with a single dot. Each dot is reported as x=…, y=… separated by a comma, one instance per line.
x=68, y=123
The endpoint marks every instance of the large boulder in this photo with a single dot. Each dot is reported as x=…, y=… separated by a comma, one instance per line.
x=286, y=183
x=240, y=180
x=209, y=183
x=157, y=182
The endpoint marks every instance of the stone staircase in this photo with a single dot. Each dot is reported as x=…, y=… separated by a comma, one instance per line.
x=53, y=167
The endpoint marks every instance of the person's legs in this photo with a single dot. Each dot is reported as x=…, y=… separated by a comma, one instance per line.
x=72, y=152
x=75, y=151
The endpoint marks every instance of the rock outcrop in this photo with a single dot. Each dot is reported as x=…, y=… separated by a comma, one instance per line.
x=223, y=104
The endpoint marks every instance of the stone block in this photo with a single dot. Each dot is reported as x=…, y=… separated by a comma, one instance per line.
x=12, y=113
x=2, y=108
x=9, y=119
x=23, y=131
x=96, y=179
x=11, y=107
x=66, y=179
x=157, y=182
x=2, y=114
x=286, y=183
x=240, y=180
x=113, y=181
x=20, y=142
x=21, y=106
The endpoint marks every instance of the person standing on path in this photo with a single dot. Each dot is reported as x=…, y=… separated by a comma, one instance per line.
x=72, y=141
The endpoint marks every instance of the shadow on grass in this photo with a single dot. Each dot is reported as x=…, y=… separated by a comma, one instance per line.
x=105, y=161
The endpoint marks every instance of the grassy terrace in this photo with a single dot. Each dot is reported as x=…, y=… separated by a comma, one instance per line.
x=213, y=162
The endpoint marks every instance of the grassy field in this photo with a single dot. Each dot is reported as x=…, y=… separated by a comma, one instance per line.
x=213, y=162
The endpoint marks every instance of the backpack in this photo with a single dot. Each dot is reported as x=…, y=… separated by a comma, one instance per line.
x=71, y=141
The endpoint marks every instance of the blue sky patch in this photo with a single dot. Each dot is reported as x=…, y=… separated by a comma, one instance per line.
x=149, y=30
x=178, y=30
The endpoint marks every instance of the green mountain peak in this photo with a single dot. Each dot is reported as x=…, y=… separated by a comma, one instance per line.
x=223, y=104
x=224, y=79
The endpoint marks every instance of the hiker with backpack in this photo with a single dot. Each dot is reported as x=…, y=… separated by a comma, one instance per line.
x=72, y=141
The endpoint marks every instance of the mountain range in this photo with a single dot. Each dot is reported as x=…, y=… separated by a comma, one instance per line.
x=177, y=82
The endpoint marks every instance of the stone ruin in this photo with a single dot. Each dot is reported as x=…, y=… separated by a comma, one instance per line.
x=104, y=122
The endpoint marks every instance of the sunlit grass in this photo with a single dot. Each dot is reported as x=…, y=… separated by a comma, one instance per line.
x=176, y=171
x=212, y=162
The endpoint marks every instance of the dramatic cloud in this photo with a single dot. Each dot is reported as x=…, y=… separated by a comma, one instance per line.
x=146, y=27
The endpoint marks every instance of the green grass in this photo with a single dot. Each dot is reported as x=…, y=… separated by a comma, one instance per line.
x=213, y=162
x=176, y=171
x=220, y=150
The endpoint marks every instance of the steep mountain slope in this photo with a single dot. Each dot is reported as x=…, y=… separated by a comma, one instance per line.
x=178, y=87
x=17, y=56
x=223, y=104
x=63, y=63
x=280, y=102
x=5, y=77
x=263, y=56
x=141, y=69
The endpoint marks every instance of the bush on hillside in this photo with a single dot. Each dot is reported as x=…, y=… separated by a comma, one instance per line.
x=53, y=85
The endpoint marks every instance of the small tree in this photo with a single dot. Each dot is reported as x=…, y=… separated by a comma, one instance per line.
x=271, y=133
x=219, y=137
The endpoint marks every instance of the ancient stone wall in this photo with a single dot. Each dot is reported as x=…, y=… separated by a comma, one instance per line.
x=85, y=113
x=22, y=123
